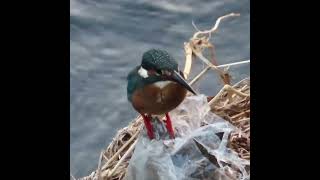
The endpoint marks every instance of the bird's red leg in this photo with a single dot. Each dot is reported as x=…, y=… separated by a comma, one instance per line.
x=169, y=126
x=147, y=123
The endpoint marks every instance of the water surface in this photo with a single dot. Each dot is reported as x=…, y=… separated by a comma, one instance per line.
x=108, y=38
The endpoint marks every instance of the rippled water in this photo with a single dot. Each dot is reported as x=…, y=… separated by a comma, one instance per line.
x=107, y=39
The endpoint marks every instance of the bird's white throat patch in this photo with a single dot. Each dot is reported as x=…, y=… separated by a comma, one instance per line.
x=143, y=73
x=162, y=84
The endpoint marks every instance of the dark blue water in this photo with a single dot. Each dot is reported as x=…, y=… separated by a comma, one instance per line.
x=107, y=39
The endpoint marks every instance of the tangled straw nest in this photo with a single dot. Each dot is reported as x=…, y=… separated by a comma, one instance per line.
x=235, y=110
x=232, y=103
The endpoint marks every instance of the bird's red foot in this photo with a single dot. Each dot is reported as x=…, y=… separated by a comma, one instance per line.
x=169, y=126
x=147, y=123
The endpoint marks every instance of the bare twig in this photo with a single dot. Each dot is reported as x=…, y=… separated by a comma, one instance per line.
x=205, y=60
x=195, y=27
x=198, y=44
x=235, y=63
x=213, y=54
x=215, y=27
x=195, y=79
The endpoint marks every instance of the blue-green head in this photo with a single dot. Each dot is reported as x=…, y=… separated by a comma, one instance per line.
x=156, y=65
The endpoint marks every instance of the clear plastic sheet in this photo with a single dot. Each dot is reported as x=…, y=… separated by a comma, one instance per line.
x=198, y=152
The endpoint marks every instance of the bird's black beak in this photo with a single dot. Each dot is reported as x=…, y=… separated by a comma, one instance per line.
x=176, y=76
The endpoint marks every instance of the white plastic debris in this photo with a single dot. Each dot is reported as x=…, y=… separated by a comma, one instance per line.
x=196, y=153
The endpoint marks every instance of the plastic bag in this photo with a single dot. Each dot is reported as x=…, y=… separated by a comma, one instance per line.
x=196, y=153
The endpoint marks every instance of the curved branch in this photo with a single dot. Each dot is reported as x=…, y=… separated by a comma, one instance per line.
x=215, y=27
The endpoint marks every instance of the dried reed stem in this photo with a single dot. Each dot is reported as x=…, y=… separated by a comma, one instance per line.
x=120, y=161
x=195, y=79
x=241, y=120
x=205, y=60
x=122, y=148
x=188, y=64
x=229, y=89
x=99, y=165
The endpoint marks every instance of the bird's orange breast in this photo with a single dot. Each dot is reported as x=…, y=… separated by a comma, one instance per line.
x=155, y=100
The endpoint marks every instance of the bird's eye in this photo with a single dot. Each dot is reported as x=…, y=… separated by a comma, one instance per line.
x=154, y=72
x=158, y=72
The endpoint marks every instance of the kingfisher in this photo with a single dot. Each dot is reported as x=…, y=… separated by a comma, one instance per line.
x=155, y=87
